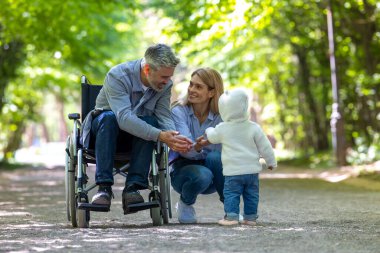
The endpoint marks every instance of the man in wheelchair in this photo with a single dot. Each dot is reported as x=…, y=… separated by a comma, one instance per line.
x=133, y=112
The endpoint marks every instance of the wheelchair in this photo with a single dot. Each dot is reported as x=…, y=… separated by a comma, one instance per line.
x=77, y=183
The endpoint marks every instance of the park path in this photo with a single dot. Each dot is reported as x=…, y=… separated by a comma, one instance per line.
x=296, y=215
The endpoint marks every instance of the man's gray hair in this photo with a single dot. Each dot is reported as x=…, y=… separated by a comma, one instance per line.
x=160, y=55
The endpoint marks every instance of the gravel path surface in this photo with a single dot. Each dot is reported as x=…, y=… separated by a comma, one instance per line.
x=296, y=215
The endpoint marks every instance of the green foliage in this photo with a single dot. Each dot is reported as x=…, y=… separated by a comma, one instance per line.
x=81, y=34
x=21, y=106
x=364, y=153
x=320, y=160
x=277, y=48
x=12, y=166
x=60, y=41
x=280, y=50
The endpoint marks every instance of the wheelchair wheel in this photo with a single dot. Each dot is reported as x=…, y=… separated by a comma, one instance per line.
x=67, y=168
x=164, y=184
x=83, y=216
x=70, y=183
x=165, y=199
x=72, y=199
x=156, y=216
x=83, y=220
x=155, y=213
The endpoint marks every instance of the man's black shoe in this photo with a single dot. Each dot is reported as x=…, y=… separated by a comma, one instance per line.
x=103, y=196
x=130, y=196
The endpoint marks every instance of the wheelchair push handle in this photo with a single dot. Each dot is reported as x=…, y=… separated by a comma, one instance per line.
x=84, y=80
x=74, y=116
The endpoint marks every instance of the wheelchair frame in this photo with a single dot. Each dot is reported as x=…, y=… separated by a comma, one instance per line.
x=76, y=162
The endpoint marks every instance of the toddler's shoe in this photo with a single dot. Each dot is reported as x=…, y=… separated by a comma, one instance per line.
x=225, y=222
x=249, y=222
x=186, y=213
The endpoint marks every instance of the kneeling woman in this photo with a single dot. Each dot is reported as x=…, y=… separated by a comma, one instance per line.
x=198, y=171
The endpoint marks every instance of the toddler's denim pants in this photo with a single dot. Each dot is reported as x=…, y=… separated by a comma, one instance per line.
x=241, y=185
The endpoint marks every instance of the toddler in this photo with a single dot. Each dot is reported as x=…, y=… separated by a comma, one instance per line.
x=243, y=143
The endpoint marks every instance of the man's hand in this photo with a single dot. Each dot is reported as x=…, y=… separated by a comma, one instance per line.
x=175, y=141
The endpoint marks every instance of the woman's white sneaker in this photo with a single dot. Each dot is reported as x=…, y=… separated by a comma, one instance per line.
x=186, y=213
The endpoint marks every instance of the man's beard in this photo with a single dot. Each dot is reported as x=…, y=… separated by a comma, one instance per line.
x=155, y=86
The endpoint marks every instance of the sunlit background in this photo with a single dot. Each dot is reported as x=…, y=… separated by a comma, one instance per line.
x=277, y=49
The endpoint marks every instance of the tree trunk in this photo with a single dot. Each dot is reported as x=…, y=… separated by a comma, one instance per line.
x=45, y=132
x=282, y=103
x=63, y=129
x=337, y=125
x=315, y=121
x=11, y=56
x=14, y=141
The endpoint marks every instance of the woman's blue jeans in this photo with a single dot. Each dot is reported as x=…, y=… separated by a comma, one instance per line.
x=109, y=139
x=193, y=177
x=241, y=185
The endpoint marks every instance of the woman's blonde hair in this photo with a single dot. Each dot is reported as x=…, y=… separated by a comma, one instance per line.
x=214, y=81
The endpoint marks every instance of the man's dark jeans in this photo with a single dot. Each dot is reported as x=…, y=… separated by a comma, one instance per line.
x=109, y=139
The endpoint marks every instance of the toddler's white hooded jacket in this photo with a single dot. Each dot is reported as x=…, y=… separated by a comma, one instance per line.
x=243, y=141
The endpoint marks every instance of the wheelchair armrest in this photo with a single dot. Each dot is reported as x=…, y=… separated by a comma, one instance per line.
x=74, y=116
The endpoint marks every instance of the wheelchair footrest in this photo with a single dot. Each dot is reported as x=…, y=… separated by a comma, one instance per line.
x=92, y=207
x=143, y=206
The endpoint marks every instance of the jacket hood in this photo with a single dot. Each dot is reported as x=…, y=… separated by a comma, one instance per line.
x=233, y=105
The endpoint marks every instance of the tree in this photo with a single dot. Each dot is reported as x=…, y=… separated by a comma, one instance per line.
x=280, y=50
x=45, y=47
x=337, y=128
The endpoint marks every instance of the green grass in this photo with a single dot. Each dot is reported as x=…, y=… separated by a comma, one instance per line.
x=357, y=184
x=363, y=184
x=13, y=166
x=322, y=160
x=371, y=176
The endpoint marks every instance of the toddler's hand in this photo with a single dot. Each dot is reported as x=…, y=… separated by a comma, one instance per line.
x=202, y=141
